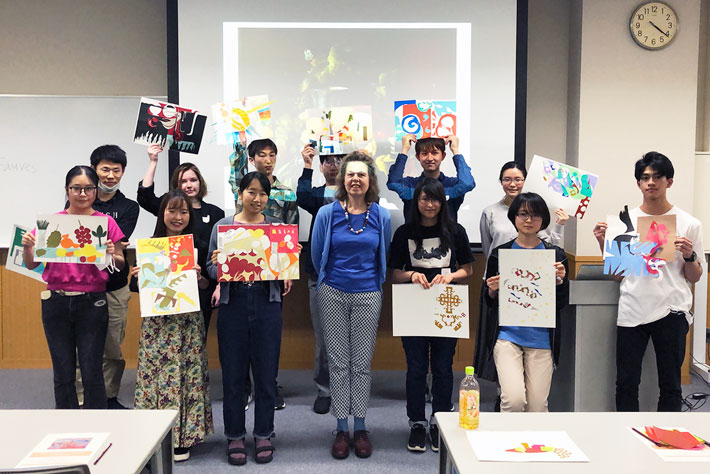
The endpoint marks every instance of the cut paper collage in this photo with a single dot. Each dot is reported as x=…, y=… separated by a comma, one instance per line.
x=167, y=281
x=561, y=185
x=14, y=261
x=339, y=130
x=673, y=444
x=71, y=238
x=440, y=311
x=424, y=118
x=527, y=288
x=243, y=120
x=258, y=252
x=169, y=125
x=66, y=449
x=524, y=446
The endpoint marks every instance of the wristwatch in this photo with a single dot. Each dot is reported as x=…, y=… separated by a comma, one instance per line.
x=692, y=258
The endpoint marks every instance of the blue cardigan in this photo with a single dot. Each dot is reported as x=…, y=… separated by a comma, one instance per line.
x=320, y=240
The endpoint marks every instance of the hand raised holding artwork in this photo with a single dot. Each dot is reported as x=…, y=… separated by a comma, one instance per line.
x=153, y=152
x=307, y=154
x=407, y=141
x=453, y=142
x=600, y=233
x=560, y=272
x=562, y=216
x=493, y=284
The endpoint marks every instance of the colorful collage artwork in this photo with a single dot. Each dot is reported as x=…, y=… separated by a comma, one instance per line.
x=339, y=130
x=14, y=256
x=527, y=288
x=560, y=185
x=525, y=446
x=70, y=238
x=167, y=282
x=258, y=252
x=170, y=126
x=448, y=315
x=424, y=118
x=674, y=444
x=243, y=120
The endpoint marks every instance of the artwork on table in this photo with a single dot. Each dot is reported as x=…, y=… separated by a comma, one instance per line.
x=340, y=130
x=170, y=126
x=673, y=443
x=66, y=449
x=243, y=120
x=661, y=232
x=526, y=295
x=71, y=238
x=14, y=261
x=424, y=118
x=258, y=252
x=627, y=253
x=167, y=281
x=524, y=446
x=440, y=311
x=561, y=185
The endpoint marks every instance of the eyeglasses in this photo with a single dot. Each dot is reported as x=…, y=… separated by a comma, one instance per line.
x=512, y=180
x=332, y=160
x=77, y=190
x=523, y=216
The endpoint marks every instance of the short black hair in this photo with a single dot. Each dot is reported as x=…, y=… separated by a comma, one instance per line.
x=255, y=175
x=532, y=203
x=658, y=163
x=257, y=145
x=80, y=170
x=111, y=153
x=323, y=157
x=512, y=165
x=428, y=144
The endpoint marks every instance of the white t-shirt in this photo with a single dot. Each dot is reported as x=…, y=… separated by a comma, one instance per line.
x=644, y=300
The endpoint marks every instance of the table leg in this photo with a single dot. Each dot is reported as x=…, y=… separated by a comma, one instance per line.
x=162, y=460
x=444, y=461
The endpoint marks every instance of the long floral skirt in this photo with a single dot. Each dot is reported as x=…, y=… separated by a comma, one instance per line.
x=173, y=374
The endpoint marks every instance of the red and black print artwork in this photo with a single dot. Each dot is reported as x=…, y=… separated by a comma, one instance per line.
x=169, y=126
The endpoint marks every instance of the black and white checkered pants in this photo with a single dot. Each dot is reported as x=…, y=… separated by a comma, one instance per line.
x=350, y=328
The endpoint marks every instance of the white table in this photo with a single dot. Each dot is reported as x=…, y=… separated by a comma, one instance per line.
x=617, y=451
x=138, y=436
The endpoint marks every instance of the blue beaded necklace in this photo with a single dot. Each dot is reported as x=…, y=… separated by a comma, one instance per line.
x=364, y=224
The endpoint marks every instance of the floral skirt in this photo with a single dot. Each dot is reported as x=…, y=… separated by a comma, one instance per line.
x=173, y=374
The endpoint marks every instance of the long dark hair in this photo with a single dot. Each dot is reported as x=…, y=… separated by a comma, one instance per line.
x=445, y=226
x=173, y=199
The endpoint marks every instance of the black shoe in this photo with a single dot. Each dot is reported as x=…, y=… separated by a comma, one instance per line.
x=417, y=438
x=181, y=454
x=114, y=404
x=321, y=405
x=434, y=437
x=279, y=404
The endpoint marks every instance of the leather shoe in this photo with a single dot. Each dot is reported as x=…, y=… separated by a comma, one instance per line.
x=341, y=445
x=321, y=405
x=361, y=444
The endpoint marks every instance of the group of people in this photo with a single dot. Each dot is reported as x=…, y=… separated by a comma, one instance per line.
x=348, y=257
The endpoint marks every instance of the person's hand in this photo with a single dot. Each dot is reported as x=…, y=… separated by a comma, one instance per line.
x=453, y=142
x=135, y=270
x=110, y=247
x=214, y=256
x=287, y=287
x=121, y=246
x=28, y=240
x=407, y=141
x=420, y=278
x=600, y=233
x=493, y=284
x=198, y=270
x=308, y=153
x=560, y=272
x=215, y=296
x=562, y=216
x=153, y=151
x=682, y=244
x=442, y=279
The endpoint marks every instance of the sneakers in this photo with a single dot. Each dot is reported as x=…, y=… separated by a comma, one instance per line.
x=321, y=405
x=341, y=445
x=417, y=438
x=181, y=454
x=280, y=404
x=113, y=404
x=434, y=437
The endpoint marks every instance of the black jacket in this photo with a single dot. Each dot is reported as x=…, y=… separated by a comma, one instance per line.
x=488, y=328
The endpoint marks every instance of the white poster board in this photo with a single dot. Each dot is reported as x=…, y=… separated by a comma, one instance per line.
x=440, y=311
x=526, y=295
x=525, y=446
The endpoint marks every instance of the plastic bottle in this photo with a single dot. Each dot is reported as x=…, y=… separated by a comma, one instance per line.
x=469, y=401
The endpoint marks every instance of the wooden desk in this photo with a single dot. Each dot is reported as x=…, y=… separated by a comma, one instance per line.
x=138, y=436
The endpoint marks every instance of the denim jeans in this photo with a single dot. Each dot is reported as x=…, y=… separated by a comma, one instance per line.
x=249, y=332
x=76, y=325
x=417, y=351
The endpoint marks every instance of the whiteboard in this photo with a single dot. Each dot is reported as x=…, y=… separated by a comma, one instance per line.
x=34, y=162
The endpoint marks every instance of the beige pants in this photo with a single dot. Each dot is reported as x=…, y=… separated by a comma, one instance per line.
x=524, y=374
x=114, y=364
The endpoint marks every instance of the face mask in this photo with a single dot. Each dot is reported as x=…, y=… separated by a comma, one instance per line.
x=107, y=189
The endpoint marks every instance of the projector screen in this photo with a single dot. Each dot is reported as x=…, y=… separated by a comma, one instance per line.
x=370, y=54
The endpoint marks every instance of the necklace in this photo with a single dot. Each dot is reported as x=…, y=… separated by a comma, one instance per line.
x=364, y=224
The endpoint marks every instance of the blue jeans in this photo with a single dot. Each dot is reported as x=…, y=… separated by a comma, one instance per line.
x=249, y=332
x=76, y=325
x=417, y=352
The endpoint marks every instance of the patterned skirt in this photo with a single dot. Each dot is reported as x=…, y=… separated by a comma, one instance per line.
x=173, y=374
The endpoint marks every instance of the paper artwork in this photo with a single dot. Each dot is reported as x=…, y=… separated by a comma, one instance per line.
x=525, y=446
x=340, y=130
x=170, y=126
x=561, y=185
x=673, y=444
x=258, y=252
x=661, y=232
x=14, y=261
x=66, y=449
x=629, y=254
x=526, y=296
x=167, y=283
x=424, y=118
x=71, y=238
x=243, y=120
x=440, y=311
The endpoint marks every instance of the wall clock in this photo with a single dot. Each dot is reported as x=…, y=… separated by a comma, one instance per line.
x=653, y=25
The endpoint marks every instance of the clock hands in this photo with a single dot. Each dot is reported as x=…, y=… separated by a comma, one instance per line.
x=654, y=25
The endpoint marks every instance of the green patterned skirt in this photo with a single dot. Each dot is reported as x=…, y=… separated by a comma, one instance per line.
x=173, y=374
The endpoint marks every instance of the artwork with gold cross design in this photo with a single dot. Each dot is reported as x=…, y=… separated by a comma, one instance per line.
x=441, y=311
x=527, y=288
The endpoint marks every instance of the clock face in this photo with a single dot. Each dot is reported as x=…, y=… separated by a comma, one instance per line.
x=653, y=25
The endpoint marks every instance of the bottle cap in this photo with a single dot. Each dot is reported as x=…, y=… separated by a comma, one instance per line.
x=469, y=370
